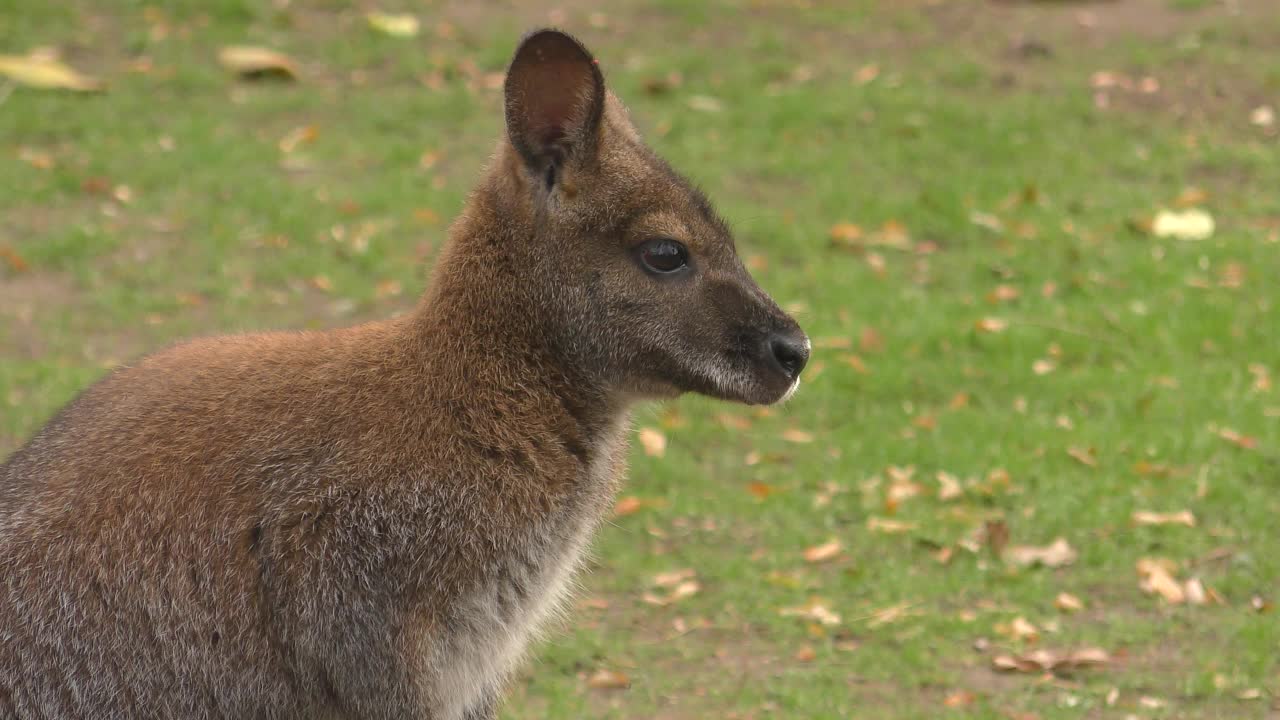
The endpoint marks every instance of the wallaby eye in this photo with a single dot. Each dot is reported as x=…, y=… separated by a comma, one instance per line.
x=664, y=256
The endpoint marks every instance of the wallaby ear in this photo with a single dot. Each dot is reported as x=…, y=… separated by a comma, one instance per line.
x=554, y=101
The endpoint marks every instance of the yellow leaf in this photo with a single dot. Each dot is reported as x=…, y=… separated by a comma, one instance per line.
x=394, y=24
x=1192, y=224
x=255, y=62
x=44, y=71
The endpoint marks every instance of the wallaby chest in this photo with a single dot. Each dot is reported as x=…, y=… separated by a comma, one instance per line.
x=527, y=584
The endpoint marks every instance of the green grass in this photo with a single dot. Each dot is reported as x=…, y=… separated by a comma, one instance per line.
x=1150, y=340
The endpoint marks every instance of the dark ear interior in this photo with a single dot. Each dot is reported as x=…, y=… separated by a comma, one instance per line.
x=554, y=101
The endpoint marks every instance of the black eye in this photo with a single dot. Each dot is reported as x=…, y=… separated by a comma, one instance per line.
x=664, y=256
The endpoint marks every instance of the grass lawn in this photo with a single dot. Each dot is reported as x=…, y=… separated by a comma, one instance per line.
x=955, y=197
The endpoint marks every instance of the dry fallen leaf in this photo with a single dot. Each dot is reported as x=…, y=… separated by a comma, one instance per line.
x=892, y=614
x=682, y=590
x=1056, y=554
x=960, y=698
x=15, y=261
x=948, y=486
x=888, y=526
x=815, y=610
x=796, y=435
x=297, y=137
x=1157, y=578
x=1190, y=224
x=1066, y=602
x=45, y=71
x=845, y=233
x=1248, y=442
x=627, y=506
x=674, y=577
x=991, y=325
x=608, y=680
x=822, y=553
x=1022, y=629
x=653, y=442
x=255, y=62
x=806, y=654
x=1084, y=456
x=394, y=24
x=1050, y=660
x=1183, y=517
x=705, y=103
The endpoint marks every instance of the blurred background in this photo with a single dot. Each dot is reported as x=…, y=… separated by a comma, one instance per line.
x=1034, y=469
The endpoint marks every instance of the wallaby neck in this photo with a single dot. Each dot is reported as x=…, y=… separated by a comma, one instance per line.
x=484, y=346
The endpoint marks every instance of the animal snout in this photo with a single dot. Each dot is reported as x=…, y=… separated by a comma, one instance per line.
x=789, y=351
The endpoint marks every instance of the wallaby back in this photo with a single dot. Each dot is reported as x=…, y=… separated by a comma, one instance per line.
x=372, y=522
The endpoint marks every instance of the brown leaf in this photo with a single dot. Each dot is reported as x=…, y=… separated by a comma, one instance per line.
x=845, y=233
x=256, y=62
x=1038, y=661
x=45, y=71
x=1190, y=197
x=866, y=74
x=815, y=610
x=960, y=698
x=887, y=526
x=674, y=577
x=1003, y=294
x=683, y=588
x=991, y=325
x=1066, y=602
x=653, y=442
x=761, y=490
x=892, y=614
x=627, y=506
x=1084, y=456
x=822, y=553
x=948, y=486
x=608, y=680
x=870, y=340
x=13, y=259
x=303, y=134
x=1182, y=517
x=796, y=435
x=1245, y=441
x=806, y=654
x=732, y=421
x=1056, y=554
x=1156, y=577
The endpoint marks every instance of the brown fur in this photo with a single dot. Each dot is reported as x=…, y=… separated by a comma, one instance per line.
x=370, y=522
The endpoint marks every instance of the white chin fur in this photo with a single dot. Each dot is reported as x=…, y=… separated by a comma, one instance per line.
x=790, y=391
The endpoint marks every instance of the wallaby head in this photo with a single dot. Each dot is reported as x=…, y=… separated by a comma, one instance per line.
x=623, y=264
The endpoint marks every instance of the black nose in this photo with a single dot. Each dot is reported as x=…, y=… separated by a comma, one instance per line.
x=791, y=352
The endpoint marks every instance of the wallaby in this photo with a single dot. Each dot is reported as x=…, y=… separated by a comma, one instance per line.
x=372, y=522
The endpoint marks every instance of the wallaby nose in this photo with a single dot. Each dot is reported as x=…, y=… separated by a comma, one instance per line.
x=791, y=352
